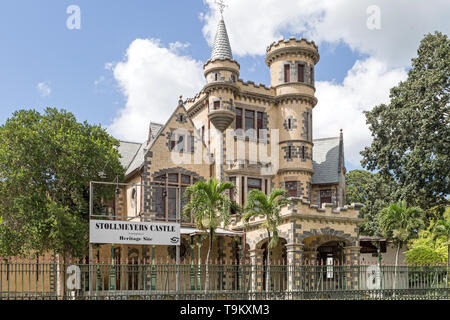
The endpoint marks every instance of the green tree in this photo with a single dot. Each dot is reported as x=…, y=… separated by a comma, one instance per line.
x=46, y=163
x=400, y=223
x=210, y=207
x=426, y=249
x=410, y=134
x=269, y=207
x=372, y=190
x=357, y=185
x=441, y=230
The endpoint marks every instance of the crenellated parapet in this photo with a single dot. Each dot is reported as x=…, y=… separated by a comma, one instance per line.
x=285, y=47
x=303, y=210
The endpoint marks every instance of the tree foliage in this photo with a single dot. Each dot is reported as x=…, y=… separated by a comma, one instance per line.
x=210, y=207
x=269, y=207
x=411, y=134
x=427, y=249
x=401, y=223
x=46, y=163
x=372, y=190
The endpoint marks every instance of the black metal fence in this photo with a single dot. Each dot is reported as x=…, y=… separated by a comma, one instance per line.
x=146, y=280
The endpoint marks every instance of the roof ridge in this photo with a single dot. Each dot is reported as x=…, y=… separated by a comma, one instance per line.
x=130, y=142
x=329, y=138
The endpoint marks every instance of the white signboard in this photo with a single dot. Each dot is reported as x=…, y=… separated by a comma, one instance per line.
x=126, y=232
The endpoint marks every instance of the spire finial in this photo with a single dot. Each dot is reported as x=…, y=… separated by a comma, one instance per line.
x=221, y=4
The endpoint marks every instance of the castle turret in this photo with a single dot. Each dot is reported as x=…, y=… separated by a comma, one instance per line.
x=221, y=73
x=291, y=64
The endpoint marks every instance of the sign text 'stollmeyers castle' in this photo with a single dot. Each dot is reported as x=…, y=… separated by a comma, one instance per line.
x=266, y=142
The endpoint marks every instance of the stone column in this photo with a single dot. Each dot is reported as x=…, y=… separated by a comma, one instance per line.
x=352, y=264
x=309, y=260
x=256, y=258
x=294, y=253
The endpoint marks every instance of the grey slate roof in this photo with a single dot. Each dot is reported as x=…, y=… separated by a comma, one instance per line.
x=221, y=47
x=326, y=160
x=138, y=160
x=128, y=150
x=133, y=153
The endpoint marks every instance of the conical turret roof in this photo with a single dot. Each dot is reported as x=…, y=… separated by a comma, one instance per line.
x=221, y=48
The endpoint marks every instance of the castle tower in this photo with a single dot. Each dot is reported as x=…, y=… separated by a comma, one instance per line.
x=221, y=73
x=291, y=64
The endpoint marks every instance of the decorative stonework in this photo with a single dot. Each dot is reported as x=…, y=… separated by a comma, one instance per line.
x=293, y=123
x=327, y=234
x=181, y=118
x=296, y=152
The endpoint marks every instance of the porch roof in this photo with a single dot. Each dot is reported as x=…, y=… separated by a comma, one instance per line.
x=219, y=231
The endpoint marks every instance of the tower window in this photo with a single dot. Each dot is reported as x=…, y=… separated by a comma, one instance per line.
x=287, y=73
x=291, y=188
x=238, y=118
x=301, y=72
x=203, y=133
x=216, y=105
x=289, y=124
x=303, y=152
x=312, y=75
x=289, y=155
x=259, y=123
x=249, y=119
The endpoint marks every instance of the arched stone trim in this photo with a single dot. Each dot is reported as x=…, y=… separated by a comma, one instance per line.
x=178, y=170
x=327, y=234
x=262, y=238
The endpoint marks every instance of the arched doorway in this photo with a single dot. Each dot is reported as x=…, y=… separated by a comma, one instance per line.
x=331, y=257
x=331, y=252
x=278, y=269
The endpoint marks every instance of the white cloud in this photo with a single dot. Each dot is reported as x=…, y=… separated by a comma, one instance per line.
x=44, y=89
x=152, y=77
x=253, y=24
x=341, y=106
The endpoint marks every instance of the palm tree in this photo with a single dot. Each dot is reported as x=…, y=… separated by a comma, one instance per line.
x=441, y=229
x=400, y=224
x=210, y=207
x=269, y=207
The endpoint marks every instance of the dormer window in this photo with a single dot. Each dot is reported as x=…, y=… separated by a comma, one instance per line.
x=287, y=73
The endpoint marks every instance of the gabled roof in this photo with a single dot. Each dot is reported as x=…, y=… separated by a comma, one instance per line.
x=326, y=157
x=133, y=153
x=221, y=48
x=128, y=151
x=155, y=129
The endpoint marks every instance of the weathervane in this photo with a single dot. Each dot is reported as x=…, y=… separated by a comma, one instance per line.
x=221, y=4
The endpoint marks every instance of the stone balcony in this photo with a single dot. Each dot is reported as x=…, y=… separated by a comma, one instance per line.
x=222, y=115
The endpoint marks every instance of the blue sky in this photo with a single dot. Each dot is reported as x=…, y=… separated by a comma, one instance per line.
x=37, y=47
